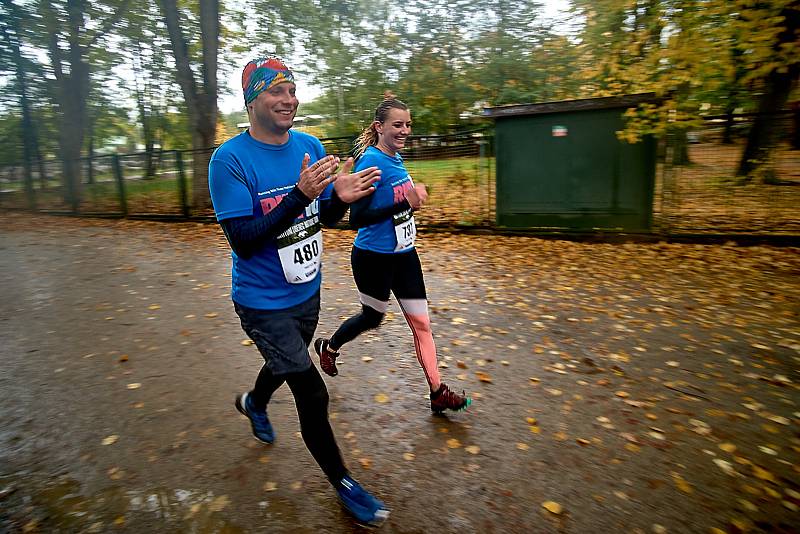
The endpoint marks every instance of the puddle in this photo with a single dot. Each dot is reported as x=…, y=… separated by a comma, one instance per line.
x=59, y=505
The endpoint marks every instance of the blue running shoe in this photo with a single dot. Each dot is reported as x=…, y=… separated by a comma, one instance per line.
x=362, y=505
x=262, y=428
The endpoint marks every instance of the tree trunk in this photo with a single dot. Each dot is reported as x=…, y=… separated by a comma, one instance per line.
x=201, y=106
x=145, y=117
x=680, y=148
x=778, y=85
x=72, y=84
x=42, y=169
x=27, y=124
x=72, y=91
x=72, y=129
x=90, y=160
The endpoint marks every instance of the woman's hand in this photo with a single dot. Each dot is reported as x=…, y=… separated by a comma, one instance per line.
x=417, y=196
x=351, y=187
x=315, y=178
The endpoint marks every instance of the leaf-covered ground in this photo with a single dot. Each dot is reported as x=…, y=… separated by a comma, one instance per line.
x=617, y=388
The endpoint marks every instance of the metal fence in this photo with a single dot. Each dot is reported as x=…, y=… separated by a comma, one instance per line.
x=698, y=194
x=457, y=168
x=698, y=190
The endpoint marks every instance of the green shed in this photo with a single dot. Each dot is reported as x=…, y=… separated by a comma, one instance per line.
x=560, y=166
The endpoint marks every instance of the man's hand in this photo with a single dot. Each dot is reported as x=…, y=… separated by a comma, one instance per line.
x=417, y=196
x=314, y=179
x=351, y=187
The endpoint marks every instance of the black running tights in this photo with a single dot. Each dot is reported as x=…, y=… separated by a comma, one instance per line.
x=311, y=400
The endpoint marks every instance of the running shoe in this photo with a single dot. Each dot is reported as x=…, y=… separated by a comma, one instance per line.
x=262, y=428
x=327, y=358
x=445, y=399
x=360, y=503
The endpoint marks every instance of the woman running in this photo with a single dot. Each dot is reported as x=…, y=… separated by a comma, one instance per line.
x=384, y=259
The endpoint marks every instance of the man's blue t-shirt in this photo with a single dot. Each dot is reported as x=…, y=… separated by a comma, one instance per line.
x=249, y=178
x=389, y=190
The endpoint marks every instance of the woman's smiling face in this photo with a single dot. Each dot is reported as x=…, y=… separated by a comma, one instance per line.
x=392, y=132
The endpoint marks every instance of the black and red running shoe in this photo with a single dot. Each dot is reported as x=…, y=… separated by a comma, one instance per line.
x=445, y=399
x=327, y=358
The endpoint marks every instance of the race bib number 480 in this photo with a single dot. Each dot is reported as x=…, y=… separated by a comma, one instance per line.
x=300, y=251
x=405, y=230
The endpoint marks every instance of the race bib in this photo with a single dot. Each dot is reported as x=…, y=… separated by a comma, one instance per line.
x=405, y=230
x=300, y=251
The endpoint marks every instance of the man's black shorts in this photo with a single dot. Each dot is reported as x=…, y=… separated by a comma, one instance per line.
x=282, y=336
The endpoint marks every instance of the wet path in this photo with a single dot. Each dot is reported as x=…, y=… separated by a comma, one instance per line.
x=634, y=385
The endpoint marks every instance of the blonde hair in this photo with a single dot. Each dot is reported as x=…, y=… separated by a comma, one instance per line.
x=369, y=136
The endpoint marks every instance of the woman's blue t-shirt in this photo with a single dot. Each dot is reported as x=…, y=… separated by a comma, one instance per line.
x=389, y=190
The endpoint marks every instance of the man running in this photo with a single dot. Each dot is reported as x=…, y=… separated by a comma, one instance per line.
x=272, y=189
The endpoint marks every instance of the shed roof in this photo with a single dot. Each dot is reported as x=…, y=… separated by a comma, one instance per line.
x=561, y=106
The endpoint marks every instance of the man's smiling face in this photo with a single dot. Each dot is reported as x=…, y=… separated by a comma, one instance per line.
x=274, y=109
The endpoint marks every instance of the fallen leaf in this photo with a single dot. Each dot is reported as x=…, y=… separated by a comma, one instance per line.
x=523, y=446
x=473, y=449
x=728, y=447
x=382, y=398
x=767, y=450
x=270, y=486
x=453, y=443
x=779, y=419
x=408, y=456
x=727, y=467
x=483, y=377
x=110, y=439
x=682, y=484
x=366, y=359
x=552, y=507
x=134, y=385
x=763, y=474
x=790, y=506
x=747, y=505
x=247, y=342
